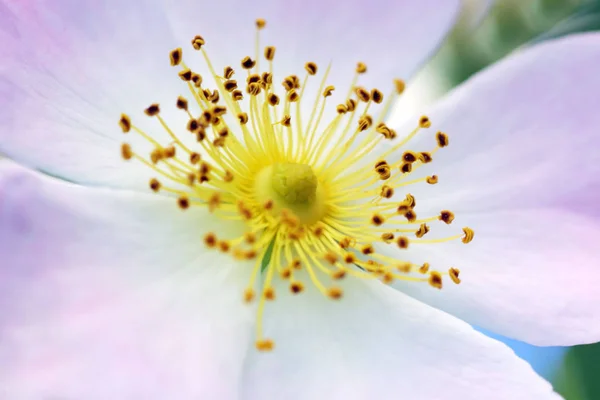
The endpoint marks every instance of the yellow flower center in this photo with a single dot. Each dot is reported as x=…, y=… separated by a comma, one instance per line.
x=295, y=184
x=293, y=188
x=251, y=155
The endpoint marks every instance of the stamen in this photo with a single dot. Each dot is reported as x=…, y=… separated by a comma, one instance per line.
x=435, y=280
x=297, y=184
x=453, y=272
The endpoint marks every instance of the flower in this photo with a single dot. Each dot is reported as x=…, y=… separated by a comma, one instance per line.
x=108, y=289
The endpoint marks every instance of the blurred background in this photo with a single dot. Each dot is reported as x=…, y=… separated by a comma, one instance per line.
x=487, y=31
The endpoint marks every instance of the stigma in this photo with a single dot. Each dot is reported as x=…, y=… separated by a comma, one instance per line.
x=293, y=189
x=295, y=184
x=251, y=153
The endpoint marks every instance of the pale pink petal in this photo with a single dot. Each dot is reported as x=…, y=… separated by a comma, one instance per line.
x=113, y=295
x=68, y=71
x=377, y=343
x=394, y=38
x=523, y=171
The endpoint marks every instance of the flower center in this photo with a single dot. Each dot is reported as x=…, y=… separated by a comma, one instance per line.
x=294, y=184
x=293, y=187
x=311, y=215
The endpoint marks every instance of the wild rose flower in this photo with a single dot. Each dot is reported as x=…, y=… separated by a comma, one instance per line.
x=299, y=244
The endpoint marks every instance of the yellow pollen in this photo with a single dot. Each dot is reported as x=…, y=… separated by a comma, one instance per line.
x=335, y=293
x=265, y=345
x=292, y=159
x=296, y=287
x=248, y=295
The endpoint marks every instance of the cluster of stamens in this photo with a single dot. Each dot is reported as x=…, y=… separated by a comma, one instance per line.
x=311, y=215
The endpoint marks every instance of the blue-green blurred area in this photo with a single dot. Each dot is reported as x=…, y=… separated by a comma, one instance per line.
x=489, y=30
x=574, y=371
x=508, y=25
x=546, y=361
x=578, y=377
x=483, y=36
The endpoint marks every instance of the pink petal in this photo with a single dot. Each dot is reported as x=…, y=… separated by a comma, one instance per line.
x=68, y=71
x=113, y=295
x=392, y=37
x=376, y=343
x=523, y=171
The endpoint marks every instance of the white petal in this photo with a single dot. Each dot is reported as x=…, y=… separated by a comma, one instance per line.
x=522, y=133
x=376, y=343
x=522, y=170
x=113, y=295
x=392, y=37
x=528, y=274
x=69, y=69
x=73, y=67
